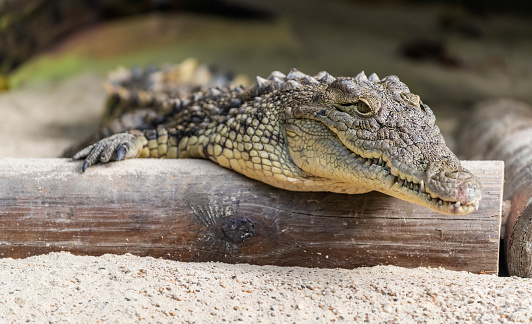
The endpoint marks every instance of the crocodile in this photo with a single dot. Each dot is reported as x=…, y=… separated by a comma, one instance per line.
x=297, y=132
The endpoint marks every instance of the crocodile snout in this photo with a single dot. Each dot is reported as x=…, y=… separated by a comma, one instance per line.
x=468, y=189
x=454, y=185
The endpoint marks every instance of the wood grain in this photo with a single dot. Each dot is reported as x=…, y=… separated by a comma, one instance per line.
x=194, y=210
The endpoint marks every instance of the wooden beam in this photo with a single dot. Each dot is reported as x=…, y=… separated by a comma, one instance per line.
x=502, y=130
x=194, y=210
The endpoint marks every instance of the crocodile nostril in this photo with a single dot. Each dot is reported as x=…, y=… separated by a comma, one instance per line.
x=459, y=175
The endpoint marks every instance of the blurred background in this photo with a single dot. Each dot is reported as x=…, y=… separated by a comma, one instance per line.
x=55, y=54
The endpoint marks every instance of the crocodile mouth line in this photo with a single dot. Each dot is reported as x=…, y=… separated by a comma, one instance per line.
x=398, y=182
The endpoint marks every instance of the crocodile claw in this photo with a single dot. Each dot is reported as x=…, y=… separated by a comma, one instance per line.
x=86, y=164
x=114, y=148
x=121, y=152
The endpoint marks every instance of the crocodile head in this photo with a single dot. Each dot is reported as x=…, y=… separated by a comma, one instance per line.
x=368, y=134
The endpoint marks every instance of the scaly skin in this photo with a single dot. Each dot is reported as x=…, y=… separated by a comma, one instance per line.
x=302, y=133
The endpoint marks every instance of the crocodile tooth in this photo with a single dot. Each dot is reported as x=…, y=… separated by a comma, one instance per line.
x=422, y=187
x=276, y=75
x=295, y=74
x=416, y=187
x=373, y=77
x=440, y=202
x=401, y=182
x=380, y=161
x=457, y=204
x=376, y=161
x=390, y=181
x=361, y=77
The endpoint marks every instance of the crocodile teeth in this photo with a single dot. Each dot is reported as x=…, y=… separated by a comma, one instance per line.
x=440, y=202
x=373, y=77
x=390, y=181
x=422, y=187
x=457, y=204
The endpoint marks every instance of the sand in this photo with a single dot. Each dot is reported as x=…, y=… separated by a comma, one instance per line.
x=63, y=288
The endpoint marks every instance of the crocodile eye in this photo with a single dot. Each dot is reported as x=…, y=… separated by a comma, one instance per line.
x=359, y=107
x=363, y=108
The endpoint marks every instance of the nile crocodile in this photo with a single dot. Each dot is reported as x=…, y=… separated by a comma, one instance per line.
x=303, y=133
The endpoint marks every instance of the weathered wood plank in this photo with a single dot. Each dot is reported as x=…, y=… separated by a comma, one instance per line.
x=194, y=210
x=502, y=130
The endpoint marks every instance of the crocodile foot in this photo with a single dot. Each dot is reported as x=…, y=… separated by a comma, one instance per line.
x=114, y=148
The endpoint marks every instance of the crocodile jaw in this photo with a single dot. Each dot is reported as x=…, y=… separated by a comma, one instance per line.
x=443, y=187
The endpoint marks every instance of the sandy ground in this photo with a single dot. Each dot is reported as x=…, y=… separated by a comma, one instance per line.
x=63, y=288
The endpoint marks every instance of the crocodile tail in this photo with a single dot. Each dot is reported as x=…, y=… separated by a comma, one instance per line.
x=132, y=89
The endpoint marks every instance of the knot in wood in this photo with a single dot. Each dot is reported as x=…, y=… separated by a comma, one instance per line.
x=238, y=230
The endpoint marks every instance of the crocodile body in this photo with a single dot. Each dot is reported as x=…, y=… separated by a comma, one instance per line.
x=297, y=132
